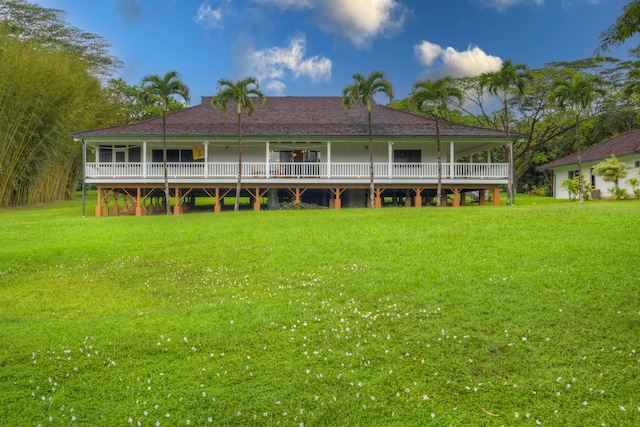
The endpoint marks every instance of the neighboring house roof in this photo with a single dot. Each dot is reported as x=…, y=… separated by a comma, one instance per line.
x=621, y=145
x=292, y=117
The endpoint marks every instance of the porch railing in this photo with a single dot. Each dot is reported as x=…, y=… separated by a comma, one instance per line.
x=297, y=170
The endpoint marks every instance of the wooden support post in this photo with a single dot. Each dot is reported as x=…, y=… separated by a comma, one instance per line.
x=138, y=202
x=378, y=198
x=463, y=198
x=99, y=202
x=256, y=200
x=481, y=198
x=337, y=203
x=496, y=196
x=177, y=210
x=456, y=197
x=216, y=207
x=417, y=200
x=116, y=207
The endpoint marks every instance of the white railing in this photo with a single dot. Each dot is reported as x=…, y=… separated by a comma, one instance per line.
x=297, y=170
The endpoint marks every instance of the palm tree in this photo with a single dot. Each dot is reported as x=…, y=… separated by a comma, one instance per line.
x=240, y=92
x=509, y=79
x=156, y=89
x=436, y=94
x=578, y=94
x=363, y=90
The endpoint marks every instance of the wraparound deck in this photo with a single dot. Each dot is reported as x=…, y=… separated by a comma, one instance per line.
x=137, y=187
x=335, y=172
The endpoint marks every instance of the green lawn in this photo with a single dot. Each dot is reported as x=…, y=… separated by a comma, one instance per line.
x=475, y=316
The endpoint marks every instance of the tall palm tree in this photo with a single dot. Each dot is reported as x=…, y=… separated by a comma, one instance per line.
x=156, y=89
x=577, y=94
x=509, y=79
x=241, y=92
x=363, y=89
x=437, y=95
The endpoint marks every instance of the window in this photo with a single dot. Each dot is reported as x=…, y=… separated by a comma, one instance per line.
x=573, y=174
x=134, y=154
x=105, y=154
x=174, y=156
x=636, y=164
x=407, y=156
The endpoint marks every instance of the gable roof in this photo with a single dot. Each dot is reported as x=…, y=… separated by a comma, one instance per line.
x=621, y=145
x=292, y=117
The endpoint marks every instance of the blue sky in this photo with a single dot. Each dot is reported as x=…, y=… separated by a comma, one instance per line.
x=313, y=47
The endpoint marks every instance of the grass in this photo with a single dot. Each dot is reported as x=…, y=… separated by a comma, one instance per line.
x=481, y=316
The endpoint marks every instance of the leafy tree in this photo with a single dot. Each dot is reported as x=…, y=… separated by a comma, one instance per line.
x=363, y=90
x=241, y=92
x=508, y=80
x=437, y=95
x=49, y=29
x=156, y=89
x=611, y=170
x=625, y=27
x=577, y=94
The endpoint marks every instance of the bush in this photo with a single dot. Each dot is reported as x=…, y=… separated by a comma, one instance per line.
x=619, y=193
x=635, y=185
x=572, y=186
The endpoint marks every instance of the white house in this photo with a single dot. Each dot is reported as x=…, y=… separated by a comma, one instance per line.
x=626, y=148
x=307, y=149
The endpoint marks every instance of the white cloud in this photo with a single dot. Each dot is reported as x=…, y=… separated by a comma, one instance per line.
x=272, y=65
x=468, y=63
x=276, y=87
x=427, y=52
x=502, y=5
x=361, y=21
x=209, y=17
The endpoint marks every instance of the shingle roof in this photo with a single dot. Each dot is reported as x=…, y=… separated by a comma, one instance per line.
x=621, y=145
x=290, y=117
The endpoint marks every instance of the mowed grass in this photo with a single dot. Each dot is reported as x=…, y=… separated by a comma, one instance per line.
x=472, y=316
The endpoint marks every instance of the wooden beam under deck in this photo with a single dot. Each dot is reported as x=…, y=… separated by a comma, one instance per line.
x=136, y=196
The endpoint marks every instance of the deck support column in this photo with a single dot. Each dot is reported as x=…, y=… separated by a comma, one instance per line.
x=177, y=210
x=138, y=202
x=463, y=198
x=256, y=200
x=456, y=197
x=337, y=192
x=99, y=202
x=216, y=207
x=417, y=200
x=378, y=198
x=481, y=198
x=496, y=196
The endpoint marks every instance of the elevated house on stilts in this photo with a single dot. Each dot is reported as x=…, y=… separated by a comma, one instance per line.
x=295, y=149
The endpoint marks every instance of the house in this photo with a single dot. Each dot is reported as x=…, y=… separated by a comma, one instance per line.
x=298, y=149
x=626, y=148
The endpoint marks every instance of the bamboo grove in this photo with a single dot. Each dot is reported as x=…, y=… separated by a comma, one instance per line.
x=50, y=85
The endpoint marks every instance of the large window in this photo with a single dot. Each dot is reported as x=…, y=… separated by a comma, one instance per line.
x=174, y=156
x=291, y=156
x=407, y=156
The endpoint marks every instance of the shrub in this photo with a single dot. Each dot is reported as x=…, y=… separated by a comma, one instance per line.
x=572, y=186
x=619, y=193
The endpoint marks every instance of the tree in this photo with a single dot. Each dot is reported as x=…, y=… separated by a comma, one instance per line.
x=509, y=79
x=577, y=94
x=363, y=90
x=241, y=92
x=50, y=30
x=437, y=95
x=611, y=170
x=153, y=90
x=626, y=26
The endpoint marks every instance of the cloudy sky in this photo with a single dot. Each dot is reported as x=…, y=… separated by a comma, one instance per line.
x=313, y=47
